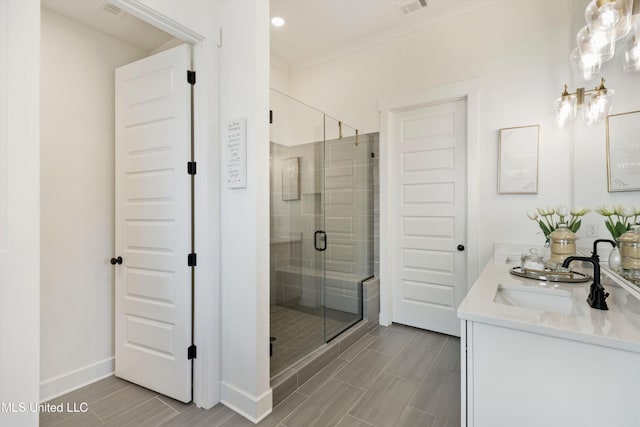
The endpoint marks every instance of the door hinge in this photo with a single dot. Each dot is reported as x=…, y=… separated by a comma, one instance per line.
x=192, y=352
x=192, y=260
x=191, y=168
x=270, y=116
x=191, y=77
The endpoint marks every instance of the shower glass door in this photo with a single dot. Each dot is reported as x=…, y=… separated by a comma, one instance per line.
x=298, y=239
x=322, y=226
x=349, y=224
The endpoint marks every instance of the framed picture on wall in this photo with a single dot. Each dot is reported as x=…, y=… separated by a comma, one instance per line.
x=623, y=151
x=518, y=160
x=291, y=179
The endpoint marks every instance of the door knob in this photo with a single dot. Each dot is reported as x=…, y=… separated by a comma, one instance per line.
x=461, y=248
x=115, y=261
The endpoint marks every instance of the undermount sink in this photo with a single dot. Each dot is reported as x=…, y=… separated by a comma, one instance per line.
x=535, y=298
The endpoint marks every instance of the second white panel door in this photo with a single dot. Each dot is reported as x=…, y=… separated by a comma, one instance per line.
x=428, y=191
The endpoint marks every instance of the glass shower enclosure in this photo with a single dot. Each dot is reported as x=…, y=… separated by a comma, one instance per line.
x=321, y=211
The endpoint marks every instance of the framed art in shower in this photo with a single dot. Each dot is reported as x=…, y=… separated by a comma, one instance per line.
x=518, y=160
x=291, y=179
x=623, y=151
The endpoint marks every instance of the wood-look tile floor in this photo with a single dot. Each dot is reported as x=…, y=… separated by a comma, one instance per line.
x=395, y=376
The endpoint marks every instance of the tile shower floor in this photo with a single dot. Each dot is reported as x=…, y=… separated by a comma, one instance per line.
x=297, y=333
x=395, y=376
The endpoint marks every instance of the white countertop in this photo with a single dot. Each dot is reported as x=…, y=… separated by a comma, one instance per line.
x=618, y=327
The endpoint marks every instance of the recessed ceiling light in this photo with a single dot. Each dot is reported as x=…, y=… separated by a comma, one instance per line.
x=277, y=21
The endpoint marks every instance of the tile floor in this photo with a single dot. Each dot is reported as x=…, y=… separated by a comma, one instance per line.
x=395, y=376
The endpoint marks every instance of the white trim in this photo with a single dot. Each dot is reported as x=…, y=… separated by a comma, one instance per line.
x=75, y=379
x=463, y=372
x=279, y=64
x=253, y=408
x=4, y=131
x=206, y=384
x=158, y=20
x=206, y=387
x=388, y=107
x=406, y=27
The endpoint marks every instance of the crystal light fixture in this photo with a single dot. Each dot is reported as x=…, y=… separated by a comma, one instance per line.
x=585, y=67
x=608, y=21
x=631, y=58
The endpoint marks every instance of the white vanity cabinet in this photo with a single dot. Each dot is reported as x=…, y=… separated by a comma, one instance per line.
x=568, y=366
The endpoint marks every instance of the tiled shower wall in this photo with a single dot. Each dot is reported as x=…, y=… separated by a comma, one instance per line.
x=340, y=181
x=349, y=205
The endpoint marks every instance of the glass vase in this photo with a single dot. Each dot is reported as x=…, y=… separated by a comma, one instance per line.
x=614, y=258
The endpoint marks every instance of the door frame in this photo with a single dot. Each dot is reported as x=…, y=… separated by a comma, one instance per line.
x=206, y=366
x=388, y=108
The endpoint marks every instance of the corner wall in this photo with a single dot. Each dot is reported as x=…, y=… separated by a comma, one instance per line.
x=244, y=92
x=19, y=209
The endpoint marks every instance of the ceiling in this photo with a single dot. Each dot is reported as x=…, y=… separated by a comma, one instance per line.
x=318, y=30
x=123, y=26
x=315, y=30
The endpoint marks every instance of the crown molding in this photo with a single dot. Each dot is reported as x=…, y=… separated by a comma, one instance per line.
x=381, y=37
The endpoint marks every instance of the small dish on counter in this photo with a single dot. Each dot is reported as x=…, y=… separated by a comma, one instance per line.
x=549, y=275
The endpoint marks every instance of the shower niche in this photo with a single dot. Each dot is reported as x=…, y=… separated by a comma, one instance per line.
x=322, y=227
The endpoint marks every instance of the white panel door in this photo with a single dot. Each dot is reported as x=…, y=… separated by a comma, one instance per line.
x=428, y=192
x=153, y=223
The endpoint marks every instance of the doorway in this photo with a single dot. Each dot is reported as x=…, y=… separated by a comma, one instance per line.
x=77, y=159
x=429, y=238
x=390, y=162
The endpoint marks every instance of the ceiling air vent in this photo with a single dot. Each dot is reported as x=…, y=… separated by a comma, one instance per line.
x=410, y=7
x=111, y=8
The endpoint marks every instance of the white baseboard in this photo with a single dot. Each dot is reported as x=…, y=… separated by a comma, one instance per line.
x=252, y=408
x=73, y=380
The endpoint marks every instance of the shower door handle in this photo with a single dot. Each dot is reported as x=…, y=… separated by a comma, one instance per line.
x=323, y=240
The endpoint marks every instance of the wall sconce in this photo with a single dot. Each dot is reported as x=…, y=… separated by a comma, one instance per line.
x=596, y=108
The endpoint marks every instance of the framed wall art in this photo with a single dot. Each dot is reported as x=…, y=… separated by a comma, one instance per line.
x=623, y=151
x=518, y=160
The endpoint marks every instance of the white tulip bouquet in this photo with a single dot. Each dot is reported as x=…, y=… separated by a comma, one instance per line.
x=619, y=218
x=549, y=218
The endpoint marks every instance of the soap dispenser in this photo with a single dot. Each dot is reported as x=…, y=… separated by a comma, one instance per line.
x=563, y=244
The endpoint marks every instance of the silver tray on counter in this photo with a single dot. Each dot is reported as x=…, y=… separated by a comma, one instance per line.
x=551, y=275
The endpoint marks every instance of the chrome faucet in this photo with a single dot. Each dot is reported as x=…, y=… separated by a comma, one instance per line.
x=597, y=296
x=594, y=253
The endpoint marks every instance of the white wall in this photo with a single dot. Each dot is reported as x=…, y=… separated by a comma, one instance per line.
x=244, y=92
x=518, y=50
x=77, y=201
x=19, y=209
